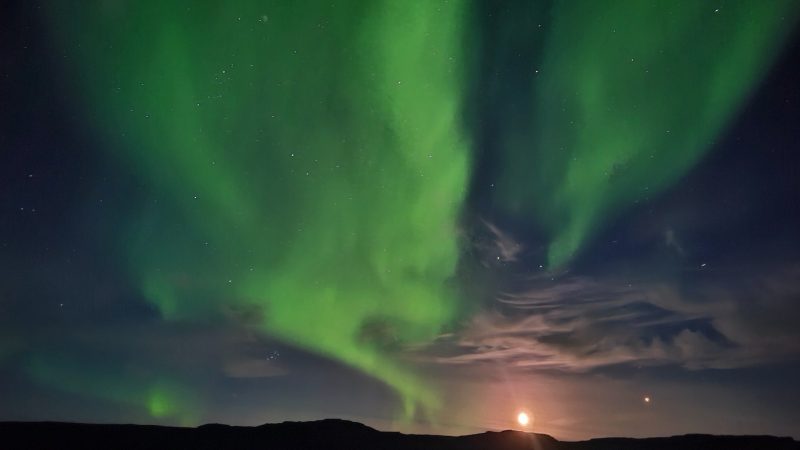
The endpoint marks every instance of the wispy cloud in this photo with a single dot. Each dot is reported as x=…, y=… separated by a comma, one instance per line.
x=579, y=323
x=254, y=368
x=492, y=245
x=506, y=247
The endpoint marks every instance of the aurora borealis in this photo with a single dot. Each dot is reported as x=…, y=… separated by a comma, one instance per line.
x=623, y=104
x=365, y=206
x=405, y=206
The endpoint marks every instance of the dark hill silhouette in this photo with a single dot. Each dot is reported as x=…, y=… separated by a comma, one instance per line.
x=334, y=434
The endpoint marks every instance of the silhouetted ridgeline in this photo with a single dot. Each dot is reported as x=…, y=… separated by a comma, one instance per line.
x=337, y=434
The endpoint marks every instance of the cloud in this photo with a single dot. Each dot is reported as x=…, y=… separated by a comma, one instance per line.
x=671, y=241
x=254, y=368
x=581, y=323
x=492, y=245
x=507, y=248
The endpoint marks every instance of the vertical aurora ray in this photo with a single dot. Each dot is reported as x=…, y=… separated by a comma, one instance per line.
x=627, y=97
x=308, y=161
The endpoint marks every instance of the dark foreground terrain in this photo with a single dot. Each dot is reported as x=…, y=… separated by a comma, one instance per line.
x=337, y=434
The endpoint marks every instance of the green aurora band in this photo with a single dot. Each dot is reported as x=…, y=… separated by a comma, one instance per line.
x=308, y=163
x=627, y=96
x=313, y=164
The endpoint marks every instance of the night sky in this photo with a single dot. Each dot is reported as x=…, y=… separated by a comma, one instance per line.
x=427, y=216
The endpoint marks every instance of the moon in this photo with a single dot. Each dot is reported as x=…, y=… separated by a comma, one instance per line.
x=523, y=419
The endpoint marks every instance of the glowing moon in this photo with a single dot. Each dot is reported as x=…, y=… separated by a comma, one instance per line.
x=523, y=419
